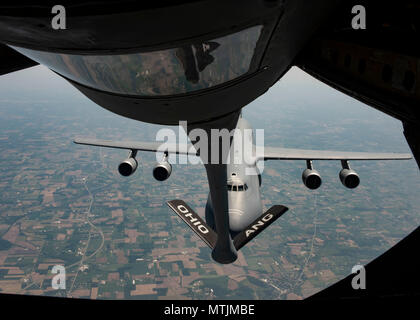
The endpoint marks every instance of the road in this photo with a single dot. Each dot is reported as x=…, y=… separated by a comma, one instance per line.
x=91, y=231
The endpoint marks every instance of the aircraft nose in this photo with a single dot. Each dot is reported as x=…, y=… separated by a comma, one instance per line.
x=235, y=212
x=236, y=220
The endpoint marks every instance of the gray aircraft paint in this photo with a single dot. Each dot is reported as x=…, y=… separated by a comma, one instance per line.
x=243, y=206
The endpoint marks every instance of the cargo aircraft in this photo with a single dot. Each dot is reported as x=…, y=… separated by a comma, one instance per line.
x=235, y=215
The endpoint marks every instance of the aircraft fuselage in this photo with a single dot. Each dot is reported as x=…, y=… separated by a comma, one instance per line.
x=242, y=188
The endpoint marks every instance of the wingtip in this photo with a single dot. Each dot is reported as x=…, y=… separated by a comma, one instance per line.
x=406, y=156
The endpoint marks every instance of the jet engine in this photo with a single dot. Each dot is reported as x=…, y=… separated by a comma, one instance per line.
x=310, y=177
x=162, y=170
x=348, y=177
x=129, y=166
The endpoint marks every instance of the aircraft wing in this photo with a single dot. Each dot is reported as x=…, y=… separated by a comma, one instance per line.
x=272, y=153
x=187, y=149
x=11, y=60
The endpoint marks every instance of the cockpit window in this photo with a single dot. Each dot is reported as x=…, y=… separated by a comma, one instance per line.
x=237, y=187
x=191, y=67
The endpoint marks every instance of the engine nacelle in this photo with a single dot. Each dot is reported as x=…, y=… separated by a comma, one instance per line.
x=311, y=179
x=128, y=167
x=162, y=171
x=349, y=178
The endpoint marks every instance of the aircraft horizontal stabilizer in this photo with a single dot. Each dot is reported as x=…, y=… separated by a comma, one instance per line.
x=256, y=227
x=194, y=221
